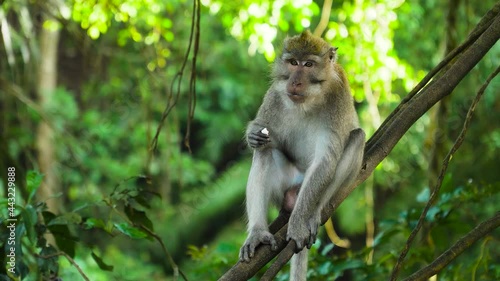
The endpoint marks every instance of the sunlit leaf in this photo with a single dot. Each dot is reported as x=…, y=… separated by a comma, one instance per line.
x=33, y=181
x=130, y=231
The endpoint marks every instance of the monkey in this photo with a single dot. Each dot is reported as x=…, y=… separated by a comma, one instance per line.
x=306, y=142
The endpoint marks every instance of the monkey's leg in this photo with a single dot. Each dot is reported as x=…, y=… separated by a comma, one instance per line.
x=271, y=173
x=320, y=184
x=298, y=269
x=348, y=166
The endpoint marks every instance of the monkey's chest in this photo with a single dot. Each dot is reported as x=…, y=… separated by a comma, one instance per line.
x=300, y=146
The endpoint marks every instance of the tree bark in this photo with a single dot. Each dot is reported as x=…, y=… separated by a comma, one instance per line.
x=46, y=85
x=388, y=135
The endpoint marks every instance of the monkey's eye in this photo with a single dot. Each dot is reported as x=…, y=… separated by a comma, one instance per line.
x=294, y=62
x=308, y=64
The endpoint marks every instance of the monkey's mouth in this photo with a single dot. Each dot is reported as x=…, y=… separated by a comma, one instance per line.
x=296, y=97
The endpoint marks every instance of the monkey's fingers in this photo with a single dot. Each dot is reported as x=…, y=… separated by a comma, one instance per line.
x=313, y=233
x=258, y=139
x=258, y=136
x=274, y=245
x=299, y=245
x=312, y=239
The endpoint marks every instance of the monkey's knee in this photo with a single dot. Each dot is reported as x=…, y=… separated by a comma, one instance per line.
x=357, y=135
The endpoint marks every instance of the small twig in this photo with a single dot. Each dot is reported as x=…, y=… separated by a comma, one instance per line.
x=444, y=167
x=176, y=81
x=170, y=260
x=18, y=92
x=71, y=260
x=192, y=82
x=175, y=267
x=481, y=255
x=458, y=248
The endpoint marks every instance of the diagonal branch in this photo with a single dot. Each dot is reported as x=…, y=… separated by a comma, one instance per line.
x=379, y=147
x=458, y=248
x=483, y=24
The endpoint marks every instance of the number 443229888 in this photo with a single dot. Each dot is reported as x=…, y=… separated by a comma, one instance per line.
x=11, y=191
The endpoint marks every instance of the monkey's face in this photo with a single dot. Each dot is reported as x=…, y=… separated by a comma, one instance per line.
x=304, y=77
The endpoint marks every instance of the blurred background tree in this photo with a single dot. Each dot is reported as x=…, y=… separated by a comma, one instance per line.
x=84, y=85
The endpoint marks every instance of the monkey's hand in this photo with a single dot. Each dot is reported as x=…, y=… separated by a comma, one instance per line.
x=256, y=237
x=258, y=138
x=302, y=230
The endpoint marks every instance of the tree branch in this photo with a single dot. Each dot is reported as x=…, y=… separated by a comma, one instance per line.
x=277, y=265
x=170, y=260
x=458, y=248
x=71, y=260
x=442, y=173
x=479, y=29
x=386, y=137
x=325, y=18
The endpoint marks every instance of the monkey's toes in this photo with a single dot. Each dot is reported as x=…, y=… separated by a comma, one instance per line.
x=246, y=253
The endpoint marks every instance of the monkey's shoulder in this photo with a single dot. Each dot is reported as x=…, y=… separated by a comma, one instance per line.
x=272, y=103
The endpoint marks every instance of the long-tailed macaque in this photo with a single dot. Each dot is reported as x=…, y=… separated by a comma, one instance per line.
x=306, y=144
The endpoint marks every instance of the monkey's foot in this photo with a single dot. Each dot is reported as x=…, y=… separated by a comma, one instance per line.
x=302, y=231
x=256, y=237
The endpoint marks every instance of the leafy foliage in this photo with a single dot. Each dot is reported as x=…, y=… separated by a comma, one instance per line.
x=34, y=225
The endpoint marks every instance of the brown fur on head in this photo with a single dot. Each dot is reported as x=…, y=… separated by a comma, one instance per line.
x=307, y=44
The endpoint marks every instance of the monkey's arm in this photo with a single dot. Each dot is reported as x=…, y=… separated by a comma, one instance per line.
x=320, y=184
x=258, y=193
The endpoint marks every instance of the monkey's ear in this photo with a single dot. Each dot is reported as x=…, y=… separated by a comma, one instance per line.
x=333, y=53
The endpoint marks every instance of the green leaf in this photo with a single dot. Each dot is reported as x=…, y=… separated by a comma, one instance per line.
x=385, y=235
x=424, y=195
x=349, y=264
x=94, y=223
x=30, y=218
x=432, y=213
x=67, y=218
x=65, y=241
x=130, y=231
x=145, y=196
x=33, y=181
x=325, y=268
x=138, y=217
x=48, y=216
x=48, y=264
x=102, y=265
x=327, y=249
x=140, y=199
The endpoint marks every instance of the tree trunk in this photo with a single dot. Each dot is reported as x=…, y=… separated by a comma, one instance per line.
x=46, y=85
